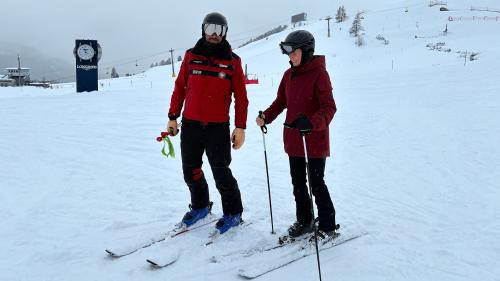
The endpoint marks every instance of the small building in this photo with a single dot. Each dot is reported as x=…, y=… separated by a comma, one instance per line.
x=19, y=75
x=298, y=19
x=5, y=81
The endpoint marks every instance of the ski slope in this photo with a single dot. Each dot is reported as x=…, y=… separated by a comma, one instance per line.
x=415, y=163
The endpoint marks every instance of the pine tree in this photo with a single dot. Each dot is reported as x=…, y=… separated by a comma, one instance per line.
x=356, y=27
x=341, y=15
x=114, y=73
x=338, y=16
x=179, y=58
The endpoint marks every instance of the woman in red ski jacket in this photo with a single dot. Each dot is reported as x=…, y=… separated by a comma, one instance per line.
x=306, y=92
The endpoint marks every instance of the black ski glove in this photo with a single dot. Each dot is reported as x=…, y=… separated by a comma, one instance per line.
x=302, y=124
x=263, y=128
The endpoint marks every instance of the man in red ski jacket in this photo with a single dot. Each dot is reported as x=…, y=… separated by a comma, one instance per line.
x=210, y=73
x=306, y=92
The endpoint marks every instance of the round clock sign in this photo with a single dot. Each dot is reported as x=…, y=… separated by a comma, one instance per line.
x=85, y=52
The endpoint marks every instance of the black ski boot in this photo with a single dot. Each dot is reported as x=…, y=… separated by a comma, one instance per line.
x=296, y=230
x=325, y=236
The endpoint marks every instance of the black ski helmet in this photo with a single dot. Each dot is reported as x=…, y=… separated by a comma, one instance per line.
x=216, y=18
x=300, y=39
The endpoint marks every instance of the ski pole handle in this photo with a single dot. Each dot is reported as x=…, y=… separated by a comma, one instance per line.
x=263, y=128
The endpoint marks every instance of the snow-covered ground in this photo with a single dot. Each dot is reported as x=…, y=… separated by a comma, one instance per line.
x=415, y=163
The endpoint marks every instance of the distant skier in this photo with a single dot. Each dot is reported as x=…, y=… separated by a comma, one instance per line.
x=210, y=73
x=306, y=92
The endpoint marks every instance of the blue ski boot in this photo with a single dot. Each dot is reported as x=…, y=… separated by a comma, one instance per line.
x=195, y=215
x=228, y=221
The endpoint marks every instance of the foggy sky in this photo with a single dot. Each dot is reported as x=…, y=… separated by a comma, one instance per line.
x=134, y=30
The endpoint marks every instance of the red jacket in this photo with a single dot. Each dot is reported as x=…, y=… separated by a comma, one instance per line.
x=205, y=85
x=305, y=89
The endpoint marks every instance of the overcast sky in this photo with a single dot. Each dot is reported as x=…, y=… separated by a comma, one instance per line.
x=130, y=30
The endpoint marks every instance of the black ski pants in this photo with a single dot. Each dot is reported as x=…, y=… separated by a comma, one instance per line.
x=326, y=211
x=214, y=139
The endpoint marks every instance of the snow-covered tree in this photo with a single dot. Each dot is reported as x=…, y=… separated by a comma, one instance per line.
x=166, y=62
x=356, y=27
x=114, y=73
x=341, y=14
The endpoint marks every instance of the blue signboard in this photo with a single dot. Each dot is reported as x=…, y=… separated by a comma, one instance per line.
x=87, y=54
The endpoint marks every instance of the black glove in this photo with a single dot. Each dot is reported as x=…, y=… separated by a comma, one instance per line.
x=302, y=124
x=263, y=128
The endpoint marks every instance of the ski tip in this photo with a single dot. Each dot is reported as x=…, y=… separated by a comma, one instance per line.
x=152, y=263
x=245, y=275
x=111, y=254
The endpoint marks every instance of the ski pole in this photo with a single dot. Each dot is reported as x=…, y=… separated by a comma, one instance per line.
x=263, y=128
x=312, y=203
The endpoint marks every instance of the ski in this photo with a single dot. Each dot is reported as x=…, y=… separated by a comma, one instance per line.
x=284, y=240
x=179, y=229
x=304, y=251
x=256, y=250
x=164, y=261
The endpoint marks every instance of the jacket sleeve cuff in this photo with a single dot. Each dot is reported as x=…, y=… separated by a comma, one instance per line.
x=173, y=117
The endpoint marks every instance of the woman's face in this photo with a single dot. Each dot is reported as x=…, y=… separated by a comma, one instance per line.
x=295, y=57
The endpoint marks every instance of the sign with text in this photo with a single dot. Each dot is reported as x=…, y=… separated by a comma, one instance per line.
x=87, y=54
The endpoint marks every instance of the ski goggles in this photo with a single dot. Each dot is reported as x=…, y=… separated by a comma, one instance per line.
x=287, y=48
x=211, y=28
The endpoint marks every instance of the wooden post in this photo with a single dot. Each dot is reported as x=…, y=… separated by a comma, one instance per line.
x=172, y=60
x=328, y=19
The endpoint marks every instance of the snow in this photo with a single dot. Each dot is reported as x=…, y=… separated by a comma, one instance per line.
x=414, y=163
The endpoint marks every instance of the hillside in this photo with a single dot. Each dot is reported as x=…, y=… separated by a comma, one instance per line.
x=41, y=66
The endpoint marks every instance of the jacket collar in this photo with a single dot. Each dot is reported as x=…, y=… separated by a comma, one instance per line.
x=219, y=51
x=315, y=62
